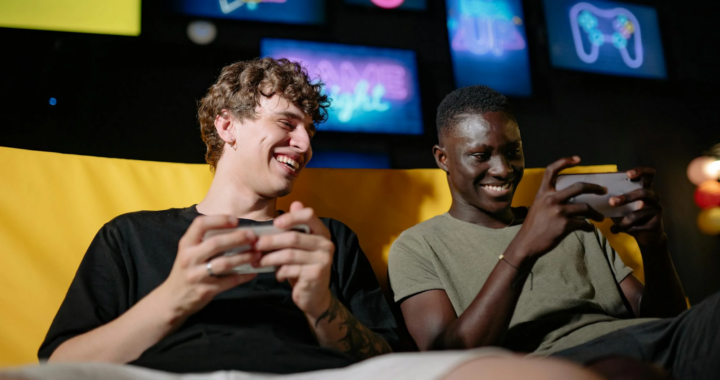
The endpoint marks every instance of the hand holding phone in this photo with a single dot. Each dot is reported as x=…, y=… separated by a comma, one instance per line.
x=617, y=184
x=259, y=231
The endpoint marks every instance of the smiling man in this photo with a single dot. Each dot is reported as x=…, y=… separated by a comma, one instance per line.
x=153, y=293
x=541, y=281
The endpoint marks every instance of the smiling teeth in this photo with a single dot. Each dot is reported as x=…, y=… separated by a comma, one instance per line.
x=497, y=188
x=288, y=161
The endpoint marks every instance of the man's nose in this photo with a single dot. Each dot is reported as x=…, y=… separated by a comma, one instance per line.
x=499, y=167
x=300, y=139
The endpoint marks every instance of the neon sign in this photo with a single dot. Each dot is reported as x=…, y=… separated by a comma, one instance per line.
x=372, y=90
x=388, y=3
x=624, y=23
x=283, y=11
x=391, y=4
x=487, y=27
x=605, y=37
x=229, y=6
x=488, y=44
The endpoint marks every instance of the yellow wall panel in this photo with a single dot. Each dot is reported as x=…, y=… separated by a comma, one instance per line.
x=85, y=16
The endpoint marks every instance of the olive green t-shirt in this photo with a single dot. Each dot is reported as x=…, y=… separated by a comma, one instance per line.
x=574, y=295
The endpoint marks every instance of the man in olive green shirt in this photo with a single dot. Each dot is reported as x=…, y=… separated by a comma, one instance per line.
x=540, y=281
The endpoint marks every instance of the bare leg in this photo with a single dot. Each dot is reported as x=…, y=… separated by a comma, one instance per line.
x=513, y=368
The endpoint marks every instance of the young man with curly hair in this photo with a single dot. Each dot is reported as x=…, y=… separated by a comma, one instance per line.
x=152, y=293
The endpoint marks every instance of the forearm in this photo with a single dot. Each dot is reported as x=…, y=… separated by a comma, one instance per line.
x=125, y=338
x=663, y=296
x=485, y=322
x=339, y=329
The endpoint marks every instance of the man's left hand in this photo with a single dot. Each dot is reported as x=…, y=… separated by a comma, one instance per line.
x=644, y=224
x=305, y=260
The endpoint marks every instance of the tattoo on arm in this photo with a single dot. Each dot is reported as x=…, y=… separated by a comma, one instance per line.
x=356, y=339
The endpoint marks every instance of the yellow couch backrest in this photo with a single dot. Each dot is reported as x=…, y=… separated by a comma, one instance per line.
x=51, y=206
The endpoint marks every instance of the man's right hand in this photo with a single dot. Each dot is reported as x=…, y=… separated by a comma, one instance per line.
x=190, y=285
x=551, y=218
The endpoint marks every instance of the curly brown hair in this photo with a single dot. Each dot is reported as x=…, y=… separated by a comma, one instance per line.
x=239, y=88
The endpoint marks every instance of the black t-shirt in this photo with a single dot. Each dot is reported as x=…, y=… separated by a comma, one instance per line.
x=253, y=327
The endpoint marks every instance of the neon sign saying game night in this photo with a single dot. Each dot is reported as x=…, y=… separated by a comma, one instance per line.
x=372, y=90
x=364, y=90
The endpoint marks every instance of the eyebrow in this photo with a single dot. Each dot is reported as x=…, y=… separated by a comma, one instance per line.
x=298, y=117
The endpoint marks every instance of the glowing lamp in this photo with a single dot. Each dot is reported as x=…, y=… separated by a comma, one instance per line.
x=703, y=169
x=709, y=221
x=707, y=195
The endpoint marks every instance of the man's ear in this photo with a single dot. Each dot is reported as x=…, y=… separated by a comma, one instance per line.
x=440, y=157
x=225, y=127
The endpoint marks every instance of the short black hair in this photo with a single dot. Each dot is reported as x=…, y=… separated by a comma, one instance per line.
x=470, y=100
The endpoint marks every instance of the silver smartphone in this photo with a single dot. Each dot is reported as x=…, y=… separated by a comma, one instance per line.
x=616, y=184
x=259, y=231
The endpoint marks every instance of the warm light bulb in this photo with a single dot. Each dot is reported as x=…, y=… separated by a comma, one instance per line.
x=714, y=168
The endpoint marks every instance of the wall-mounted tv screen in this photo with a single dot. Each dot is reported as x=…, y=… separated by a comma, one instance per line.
x=416, y=5
x=280, y=11
x=121, y=17
x=349, y=160
x=373, y=90
x=605, y=37
x=488, y=45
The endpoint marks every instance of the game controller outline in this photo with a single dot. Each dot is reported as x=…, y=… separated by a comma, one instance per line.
x=592, y=57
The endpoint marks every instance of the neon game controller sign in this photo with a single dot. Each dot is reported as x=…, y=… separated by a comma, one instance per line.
x=371, y=89
x=619, y=27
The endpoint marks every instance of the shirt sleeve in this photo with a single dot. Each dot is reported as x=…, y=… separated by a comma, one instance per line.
x=354, y=284
x=619, y=269
x=97, y=295
x=410, y=268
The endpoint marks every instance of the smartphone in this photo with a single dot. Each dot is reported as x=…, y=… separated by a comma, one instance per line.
x=616, y=184
x=259, y=231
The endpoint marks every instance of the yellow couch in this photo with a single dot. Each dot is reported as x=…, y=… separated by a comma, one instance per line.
x=51, y=206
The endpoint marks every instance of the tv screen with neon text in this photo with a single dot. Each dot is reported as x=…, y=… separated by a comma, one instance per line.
x=605, y=37
x=488, y=45
x=280, y=11
x=372, y=90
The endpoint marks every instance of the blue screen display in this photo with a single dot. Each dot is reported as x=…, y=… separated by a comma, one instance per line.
x=349, y=160
x=488, y=45
x=372, y=90
x=281, y=11
x=605, y=37
x=418, y=5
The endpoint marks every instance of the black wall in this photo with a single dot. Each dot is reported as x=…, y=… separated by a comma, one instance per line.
x=135, y=97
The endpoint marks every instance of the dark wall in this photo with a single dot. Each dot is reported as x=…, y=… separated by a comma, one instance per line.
x=135, y=97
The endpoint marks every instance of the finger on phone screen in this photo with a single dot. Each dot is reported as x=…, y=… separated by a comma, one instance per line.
x=289, y=239
x=300, y=214
x=644, y=174
x=555, y=168
x=580, y=188
x=194, y=234
x=224, y=242
x=644, y=195
x=290, y=256
x=225, y=264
